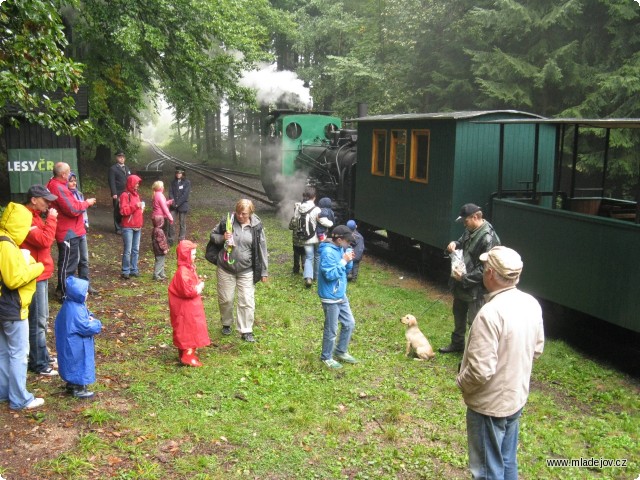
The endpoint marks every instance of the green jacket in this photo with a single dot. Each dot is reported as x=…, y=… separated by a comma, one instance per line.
x=474, y=244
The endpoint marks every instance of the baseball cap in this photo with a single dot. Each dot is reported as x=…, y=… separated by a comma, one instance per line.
x=38, y=191
x=504, y=260
x=466, y=210
x=342, y=231
x=351, y=224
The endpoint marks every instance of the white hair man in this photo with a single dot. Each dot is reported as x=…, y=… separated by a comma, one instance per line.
x=505, y=337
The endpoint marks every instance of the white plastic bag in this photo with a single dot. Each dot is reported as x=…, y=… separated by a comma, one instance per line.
x=458, y=268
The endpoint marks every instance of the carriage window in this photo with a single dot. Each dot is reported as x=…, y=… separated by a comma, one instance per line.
x=420, y=143
x=294, y=130
x=378, y=152
x=398, y=153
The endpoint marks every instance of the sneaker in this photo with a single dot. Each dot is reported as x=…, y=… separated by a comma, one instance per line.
x=35, y=403
x=308, y=282
x=125, y=276
x=82, y=392
x=346, y=358
x=331, y=363
x=70, y=388
x=226, y=330
x=134, y=274
x=53, y=362
x=248, y=337
x=93, y=291
x=48, y=372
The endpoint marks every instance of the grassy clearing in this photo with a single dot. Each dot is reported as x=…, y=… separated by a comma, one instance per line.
x=270, y=410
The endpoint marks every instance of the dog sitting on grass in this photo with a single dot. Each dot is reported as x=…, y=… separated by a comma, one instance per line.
x=416, y=341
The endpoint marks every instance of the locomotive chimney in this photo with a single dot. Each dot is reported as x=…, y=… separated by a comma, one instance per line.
x=363, y=110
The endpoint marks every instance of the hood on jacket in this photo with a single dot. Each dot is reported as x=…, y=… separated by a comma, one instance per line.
x=16, y=221
x=325, y=202
x=132, y=181
x=307, y=206
x=157, y=221
x=77, y=289
x=183, y=251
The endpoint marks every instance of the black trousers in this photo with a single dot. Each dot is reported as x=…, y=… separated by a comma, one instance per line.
x=68, y=258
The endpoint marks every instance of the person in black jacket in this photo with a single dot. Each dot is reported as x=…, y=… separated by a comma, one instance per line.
x=118, y=174
x=179, y=191
x=468, y=291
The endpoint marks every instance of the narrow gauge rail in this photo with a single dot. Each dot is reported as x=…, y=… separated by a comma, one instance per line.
x=212, y=174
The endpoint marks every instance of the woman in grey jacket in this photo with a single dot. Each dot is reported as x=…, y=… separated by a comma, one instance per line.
x=242, y=262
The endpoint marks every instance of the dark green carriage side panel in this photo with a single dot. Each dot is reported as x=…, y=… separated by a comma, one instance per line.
x=312, y=133
x=557, y=248
x=409, y=208
x=463, y=167
x=478, y=151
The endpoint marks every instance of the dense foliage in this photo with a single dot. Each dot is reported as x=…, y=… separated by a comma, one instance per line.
x=33, y=66
x=571, y=58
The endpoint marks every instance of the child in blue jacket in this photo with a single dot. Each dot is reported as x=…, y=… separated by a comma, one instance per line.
x=335, y=261
x=75, y=328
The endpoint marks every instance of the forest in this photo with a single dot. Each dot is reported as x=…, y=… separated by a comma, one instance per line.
x=569, y=58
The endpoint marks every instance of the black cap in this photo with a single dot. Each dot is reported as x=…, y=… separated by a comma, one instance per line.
x=38, y=191
x=120, y=154
x=466, y=210
x=342, y=231
x=179, y=169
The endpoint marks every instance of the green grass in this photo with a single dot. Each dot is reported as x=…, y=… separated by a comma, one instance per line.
x=270, y=410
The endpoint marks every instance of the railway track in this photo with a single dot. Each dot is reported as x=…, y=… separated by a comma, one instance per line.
x=216, y=174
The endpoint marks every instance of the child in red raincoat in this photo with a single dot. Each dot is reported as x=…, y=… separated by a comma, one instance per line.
x=185, y=305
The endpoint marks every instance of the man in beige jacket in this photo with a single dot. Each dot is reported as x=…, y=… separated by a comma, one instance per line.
x=506, y=336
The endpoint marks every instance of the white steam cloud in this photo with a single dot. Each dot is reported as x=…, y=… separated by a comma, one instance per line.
x=279, y=88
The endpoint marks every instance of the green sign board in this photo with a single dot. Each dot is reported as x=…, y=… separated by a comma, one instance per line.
x=29, y=166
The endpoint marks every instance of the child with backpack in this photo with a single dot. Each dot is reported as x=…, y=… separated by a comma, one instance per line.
x=160, y=247
x=303, y=224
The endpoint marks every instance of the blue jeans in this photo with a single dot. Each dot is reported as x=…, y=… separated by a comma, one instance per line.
x=14, y=350
x=131, y=239
x=311, y=261
x=334, y=313
x=493, y=445
x=38, y=318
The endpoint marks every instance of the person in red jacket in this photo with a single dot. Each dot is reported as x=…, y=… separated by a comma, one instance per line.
x=39, y=240
x=188, y=319
x=131, y=209
x=70, y=224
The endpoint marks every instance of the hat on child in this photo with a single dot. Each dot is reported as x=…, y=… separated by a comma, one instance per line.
x=342, y=231
x=352, y=225
x=505, y=261
x=466, y=210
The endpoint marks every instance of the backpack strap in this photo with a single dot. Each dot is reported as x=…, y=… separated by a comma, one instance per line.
x=4, y=238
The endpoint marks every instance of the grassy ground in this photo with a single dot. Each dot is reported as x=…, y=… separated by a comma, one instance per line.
x=270, y=410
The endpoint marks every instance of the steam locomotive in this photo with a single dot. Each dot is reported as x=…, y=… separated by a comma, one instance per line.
x=415, y=170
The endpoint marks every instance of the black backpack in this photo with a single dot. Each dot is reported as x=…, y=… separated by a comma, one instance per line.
x=303, y=227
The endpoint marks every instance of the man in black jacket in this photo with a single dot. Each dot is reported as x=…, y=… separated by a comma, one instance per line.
x=118, y=174
x=179, y=191
x=468, y=291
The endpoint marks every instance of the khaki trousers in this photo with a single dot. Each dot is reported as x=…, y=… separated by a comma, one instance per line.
x=228, y=283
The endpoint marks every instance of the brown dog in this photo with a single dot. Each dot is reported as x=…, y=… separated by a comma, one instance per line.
x=416, y=341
